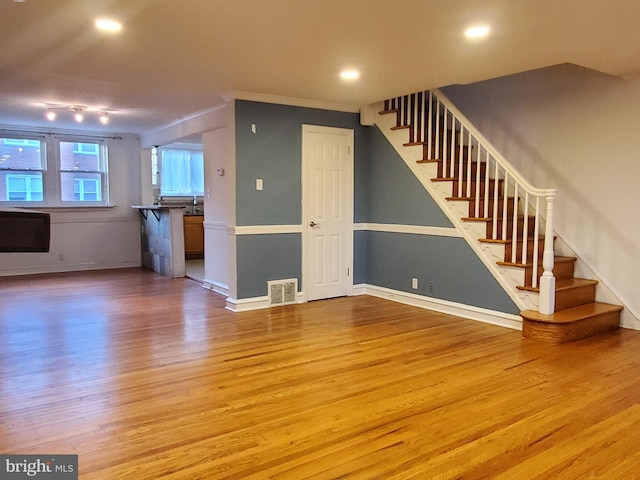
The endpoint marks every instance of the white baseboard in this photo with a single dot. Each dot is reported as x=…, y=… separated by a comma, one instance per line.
x=255, y=303
x=443, y=306
x=246, y=304
x=216, y=287
x=66, y=268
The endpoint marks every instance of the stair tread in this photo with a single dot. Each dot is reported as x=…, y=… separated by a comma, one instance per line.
x=556, y=260
x=563, y=284
x=573, y=314
x=489, y=219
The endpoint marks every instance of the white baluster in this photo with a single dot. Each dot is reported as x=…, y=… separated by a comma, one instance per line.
x=548, y=281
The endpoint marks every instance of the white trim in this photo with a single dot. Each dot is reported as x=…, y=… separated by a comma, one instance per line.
x=372, y=227
x=264, y=229
x=435, y=304
x=217, y=226
x=291, y=101
x=254, y=303
x=216, y=287
x=413, y=229
x=443, y=306
x=67, y=267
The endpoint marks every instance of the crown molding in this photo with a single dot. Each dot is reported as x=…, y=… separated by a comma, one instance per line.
x=290, y=101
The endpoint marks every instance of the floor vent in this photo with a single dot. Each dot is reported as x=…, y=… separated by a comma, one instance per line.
x=282, y=292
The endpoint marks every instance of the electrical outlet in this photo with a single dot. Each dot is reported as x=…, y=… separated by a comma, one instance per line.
x=414, y=283
x=432, y=286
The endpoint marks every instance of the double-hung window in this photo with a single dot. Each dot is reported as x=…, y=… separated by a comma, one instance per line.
x=22, y=169
x=53, y=171
x=82, y=171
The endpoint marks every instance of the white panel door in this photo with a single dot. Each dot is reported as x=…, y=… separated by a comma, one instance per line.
x=328, y=198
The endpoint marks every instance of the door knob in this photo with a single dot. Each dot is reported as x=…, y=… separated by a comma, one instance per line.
x=313, y=224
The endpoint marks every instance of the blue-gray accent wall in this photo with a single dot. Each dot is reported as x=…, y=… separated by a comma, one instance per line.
x=446, y=268
x=267, y=257
x=394, y=194
x=274, y=154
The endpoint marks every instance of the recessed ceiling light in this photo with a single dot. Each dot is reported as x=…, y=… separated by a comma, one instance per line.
x=349, y=75
x=479, y=31
x=108, y=25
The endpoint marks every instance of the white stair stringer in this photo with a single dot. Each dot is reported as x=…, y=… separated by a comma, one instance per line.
x=489, y=253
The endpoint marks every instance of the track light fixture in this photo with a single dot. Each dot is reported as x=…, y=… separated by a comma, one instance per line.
x=78, y=112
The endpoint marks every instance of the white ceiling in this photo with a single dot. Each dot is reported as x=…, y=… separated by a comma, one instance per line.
x=176, y=58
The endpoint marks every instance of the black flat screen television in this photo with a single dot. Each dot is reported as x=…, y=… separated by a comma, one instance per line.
x=24, y=231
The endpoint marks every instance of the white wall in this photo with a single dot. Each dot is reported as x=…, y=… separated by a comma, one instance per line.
x=576, y=130
x=94, y=238
x=218, y=145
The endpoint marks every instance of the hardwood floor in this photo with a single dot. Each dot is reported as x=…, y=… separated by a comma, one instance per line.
x=147, y=377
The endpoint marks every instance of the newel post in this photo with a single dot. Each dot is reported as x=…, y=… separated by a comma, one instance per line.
x=548, y=281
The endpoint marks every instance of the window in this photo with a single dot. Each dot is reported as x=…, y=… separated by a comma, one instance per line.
x=22, y=167
x=81, y=171
x=52, y=171
x=24, y=188
x=21, y=142
x=86, y=189
x=85, y=148
x=181, y=172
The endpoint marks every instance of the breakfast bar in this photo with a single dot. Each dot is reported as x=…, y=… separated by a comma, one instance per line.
x=162, y=239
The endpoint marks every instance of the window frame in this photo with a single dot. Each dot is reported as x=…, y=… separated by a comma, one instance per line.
x=51, y=170
x=160, y=158
x=28, y=177
x=102, y=170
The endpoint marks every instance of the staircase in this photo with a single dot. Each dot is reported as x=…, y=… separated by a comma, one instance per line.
x=494, y=207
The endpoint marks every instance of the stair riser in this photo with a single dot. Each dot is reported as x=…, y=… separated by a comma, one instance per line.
x=509, y=249
x=561, y=271
x=438, y=153
x=570, y=332
x=575, y=296
x=520, y=228
x=490, y=212
x=473, y=186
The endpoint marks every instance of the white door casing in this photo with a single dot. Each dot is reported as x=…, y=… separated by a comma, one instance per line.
x=327, y=196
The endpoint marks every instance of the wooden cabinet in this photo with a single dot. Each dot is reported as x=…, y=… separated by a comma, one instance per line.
x=193, y=236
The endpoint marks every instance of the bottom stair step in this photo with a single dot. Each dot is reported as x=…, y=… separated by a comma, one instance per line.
x=571, y=324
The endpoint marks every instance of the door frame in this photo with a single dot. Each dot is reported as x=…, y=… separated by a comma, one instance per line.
x=306, y=202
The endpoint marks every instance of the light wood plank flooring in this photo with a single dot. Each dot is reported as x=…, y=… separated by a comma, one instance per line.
x=147, y=377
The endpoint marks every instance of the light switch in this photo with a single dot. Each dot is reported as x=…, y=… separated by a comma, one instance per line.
x=253, y=128
x=258, y=184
